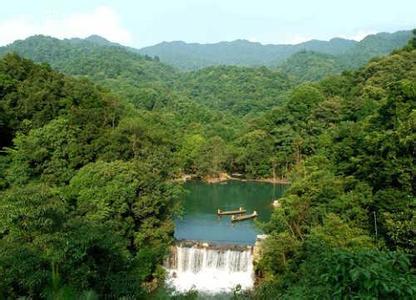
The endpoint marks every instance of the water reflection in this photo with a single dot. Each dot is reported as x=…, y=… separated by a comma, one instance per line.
x=201, y=222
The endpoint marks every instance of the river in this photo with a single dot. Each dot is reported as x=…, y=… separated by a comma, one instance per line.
x=201, y=223
x=213, y=255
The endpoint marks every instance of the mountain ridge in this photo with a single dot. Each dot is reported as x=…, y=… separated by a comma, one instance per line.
x=307, y=61
x=191, y=56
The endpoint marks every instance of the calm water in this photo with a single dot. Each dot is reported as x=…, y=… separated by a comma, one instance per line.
x=200, y=221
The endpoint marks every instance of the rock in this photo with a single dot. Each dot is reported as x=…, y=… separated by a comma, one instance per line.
x=261, y=237
x=187, y=177
x=184, y=178
x=276, y=204
x=257, y=249
x=220, y=177
x=237, y=175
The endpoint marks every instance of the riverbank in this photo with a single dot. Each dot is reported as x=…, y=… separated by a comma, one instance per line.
x=224, y=177
x=268, y=180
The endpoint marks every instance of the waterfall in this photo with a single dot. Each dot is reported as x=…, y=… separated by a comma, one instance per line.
x=209, y=268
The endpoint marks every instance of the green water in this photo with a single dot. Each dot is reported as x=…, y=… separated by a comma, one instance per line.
x=200, y=221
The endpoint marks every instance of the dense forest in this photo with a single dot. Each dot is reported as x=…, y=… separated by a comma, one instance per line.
x=346, y=227
x=85, y=203
x=93, y=136
x=349, y=53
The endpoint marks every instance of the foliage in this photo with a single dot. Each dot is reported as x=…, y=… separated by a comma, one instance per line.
x=86, y=194
x=236, y=89
x=345, y=227
x=71, y=224
x=339, y=274
x=310, y=66
x=191, y=56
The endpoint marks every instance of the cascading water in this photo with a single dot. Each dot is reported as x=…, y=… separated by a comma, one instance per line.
x=210, y=269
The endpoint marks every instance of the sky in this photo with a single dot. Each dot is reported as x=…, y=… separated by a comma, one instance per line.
x=143, y=23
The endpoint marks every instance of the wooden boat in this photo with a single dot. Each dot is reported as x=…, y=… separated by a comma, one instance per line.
x=231, y=212
x=244, y=217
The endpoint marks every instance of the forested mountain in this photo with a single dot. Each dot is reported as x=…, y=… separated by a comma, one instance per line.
x=244, y=53
x=201, y=102
x=84, y=203
x=346, y=226
x=310, y=66
x=149, y=84
x=240, y=52
x=134, y=76
x=239, y=90
x=372, y=46
x=121, y=70
x=90, y=57
x=87, y=192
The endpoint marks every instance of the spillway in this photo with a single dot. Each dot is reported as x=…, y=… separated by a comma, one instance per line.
x=209, y=268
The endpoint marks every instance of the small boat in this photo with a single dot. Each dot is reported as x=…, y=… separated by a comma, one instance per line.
x=231, y=212
x=245, y=217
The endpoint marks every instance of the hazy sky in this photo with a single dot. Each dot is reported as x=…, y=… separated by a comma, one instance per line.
x=141, y=23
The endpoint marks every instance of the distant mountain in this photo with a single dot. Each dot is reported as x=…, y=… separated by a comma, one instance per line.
x=372, y=46
x=135, y=74
x=236, y=89
x=240, y=52
x=99, y=40
x=310, y=66
x=191, y=56
x=148, y=83
x=114, y=66
x=93, y=56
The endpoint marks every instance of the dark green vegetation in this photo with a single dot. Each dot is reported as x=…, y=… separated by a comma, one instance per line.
x=127, y=72
x=310, y=66
x=86, y=203
x=346, y=228
x=239, y=90
x=113, y=66
x=244, y=53
x=313, y=65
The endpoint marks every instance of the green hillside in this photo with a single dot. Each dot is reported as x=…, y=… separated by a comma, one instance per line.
x=244, y=53
x=93, y=142
x=71, y=180
x=149, y=84
x=373, y=46
x=126, y=73
x=240, y=52
x=239, y=90
x=346, y=226
x=310, y=66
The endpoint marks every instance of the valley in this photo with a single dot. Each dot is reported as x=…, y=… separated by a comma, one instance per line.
x=94, y=136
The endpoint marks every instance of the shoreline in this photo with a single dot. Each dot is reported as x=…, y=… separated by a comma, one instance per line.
x=224, y=177
x=267, y=180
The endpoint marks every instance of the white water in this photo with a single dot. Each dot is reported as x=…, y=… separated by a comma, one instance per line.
x=210, y=270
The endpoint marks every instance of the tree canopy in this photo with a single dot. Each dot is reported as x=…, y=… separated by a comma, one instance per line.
x=88, y=164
